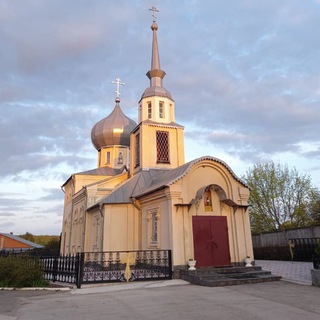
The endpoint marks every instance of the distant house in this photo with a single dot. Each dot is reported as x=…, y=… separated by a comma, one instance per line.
x=10, y=242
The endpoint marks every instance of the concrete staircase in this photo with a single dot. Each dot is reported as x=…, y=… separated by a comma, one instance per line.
x=227, y=276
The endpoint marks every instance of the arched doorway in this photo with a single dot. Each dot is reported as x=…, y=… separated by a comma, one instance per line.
x=210, y=239
x=210, y=232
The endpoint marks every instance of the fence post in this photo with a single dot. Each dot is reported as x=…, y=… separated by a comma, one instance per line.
x=170, y=264
x=55, y=268
x=79, y=268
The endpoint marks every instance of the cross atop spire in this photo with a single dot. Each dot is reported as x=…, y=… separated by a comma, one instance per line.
x=118, y=83
x=154, y=11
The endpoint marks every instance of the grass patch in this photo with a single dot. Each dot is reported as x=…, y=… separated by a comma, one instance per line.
x=21, y=271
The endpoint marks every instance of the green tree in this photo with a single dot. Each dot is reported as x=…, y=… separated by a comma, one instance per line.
x=27, y=236
x=280, y=197
x=53, y=244
x=314, y=206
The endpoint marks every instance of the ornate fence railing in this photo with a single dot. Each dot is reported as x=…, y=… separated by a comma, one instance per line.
x=126, y=266
x=115, y=266
x=63, y=268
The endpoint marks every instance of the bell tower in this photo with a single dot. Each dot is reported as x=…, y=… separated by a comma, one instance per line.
x=157, y=142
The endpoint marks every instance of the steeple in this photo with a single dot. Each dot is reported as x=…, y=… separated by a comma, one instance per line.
x=157, y=142
x=155, y=74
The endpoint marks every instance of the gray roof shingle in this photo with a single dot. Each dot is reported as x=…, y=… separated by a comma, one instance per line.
x=147, y=181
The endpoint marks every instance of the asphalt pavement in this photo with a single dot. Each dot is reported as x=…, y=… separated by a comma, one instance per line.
x=172, y=299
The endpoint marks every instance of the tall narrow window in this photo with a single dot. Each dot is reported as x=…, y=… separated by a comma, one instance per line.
x=120, y=157
x=137, y=158
x=153, y=218
x=108, y=158
x=149, y=110
x=154, y=228
x=162, y=140
x=161, y=110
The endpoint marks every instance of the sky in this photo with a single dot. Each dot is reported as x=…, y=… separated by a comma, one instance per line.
x=244, y=75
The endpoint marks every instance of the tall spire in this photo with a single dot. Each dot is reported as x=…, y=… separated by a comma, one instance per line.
x=155, y=74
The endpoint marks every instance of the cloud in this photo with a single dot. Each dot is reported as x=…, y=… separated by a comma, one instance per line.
x=243, y=74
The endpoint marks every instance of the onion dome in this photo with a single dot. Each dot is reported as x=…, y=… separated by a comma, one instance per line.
x=113, y=130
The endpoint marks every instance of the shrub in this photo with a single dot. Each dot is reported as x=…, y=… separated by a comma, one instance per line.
x=21, y=271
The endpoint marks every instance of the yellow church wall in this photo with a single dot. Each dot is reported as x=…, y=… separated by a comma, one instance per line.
x=74, y=226
x=158, y=204
x=181, y=246
x=149, y=151
x=169, y=113
x=113, y=160
x=242, y=226
x=202, y=175
x=120, y=227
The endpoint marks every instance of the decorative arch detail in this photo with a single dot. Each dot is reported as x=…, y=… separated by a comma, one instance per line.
x=203, y=192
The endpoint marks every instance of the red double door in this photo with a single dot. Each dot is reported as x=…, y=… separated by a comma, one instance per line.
x=210, y=239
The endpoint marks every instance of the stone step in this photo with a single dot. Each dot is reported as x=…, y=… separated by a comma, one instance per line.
x=214, y=277
x=224, y=270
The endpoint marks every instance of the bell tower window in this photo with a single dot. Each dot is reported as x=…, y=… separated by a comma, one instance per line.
x=108, y=157
x=149, y=110
x=161, y=110
x=120, y=157
x=137, y=157
x=162, y=142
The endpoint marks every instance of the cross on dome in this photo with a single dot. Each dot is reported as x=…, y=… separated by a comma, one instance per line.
x=154, y=11
x=118, y=83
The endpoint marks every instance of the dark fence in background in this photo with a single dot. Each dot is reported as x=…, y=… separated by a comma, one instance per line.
x=316, y=262
x=29, y=251
x=280, y=238
x=304, y=248
x=276, y=245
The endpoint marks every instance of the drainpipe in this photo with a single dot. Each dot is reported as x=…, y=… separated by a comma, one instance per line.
x=84, y=219
x=70, y=233
x=102, y=223
x=138, y=207
x=62, y=243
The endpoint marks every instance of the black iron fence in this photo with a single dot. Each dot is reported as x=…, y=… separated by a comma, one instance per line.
x=63, y=268
x=303, y=249
x=116, y=266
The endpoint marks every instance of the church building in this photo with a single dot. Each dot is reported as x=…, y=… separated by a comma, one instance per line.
x=143, y=195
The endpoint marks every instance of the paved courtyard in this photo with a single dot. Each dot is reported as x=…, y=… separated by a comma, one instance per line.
x=174, y=299
x=289, y=270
